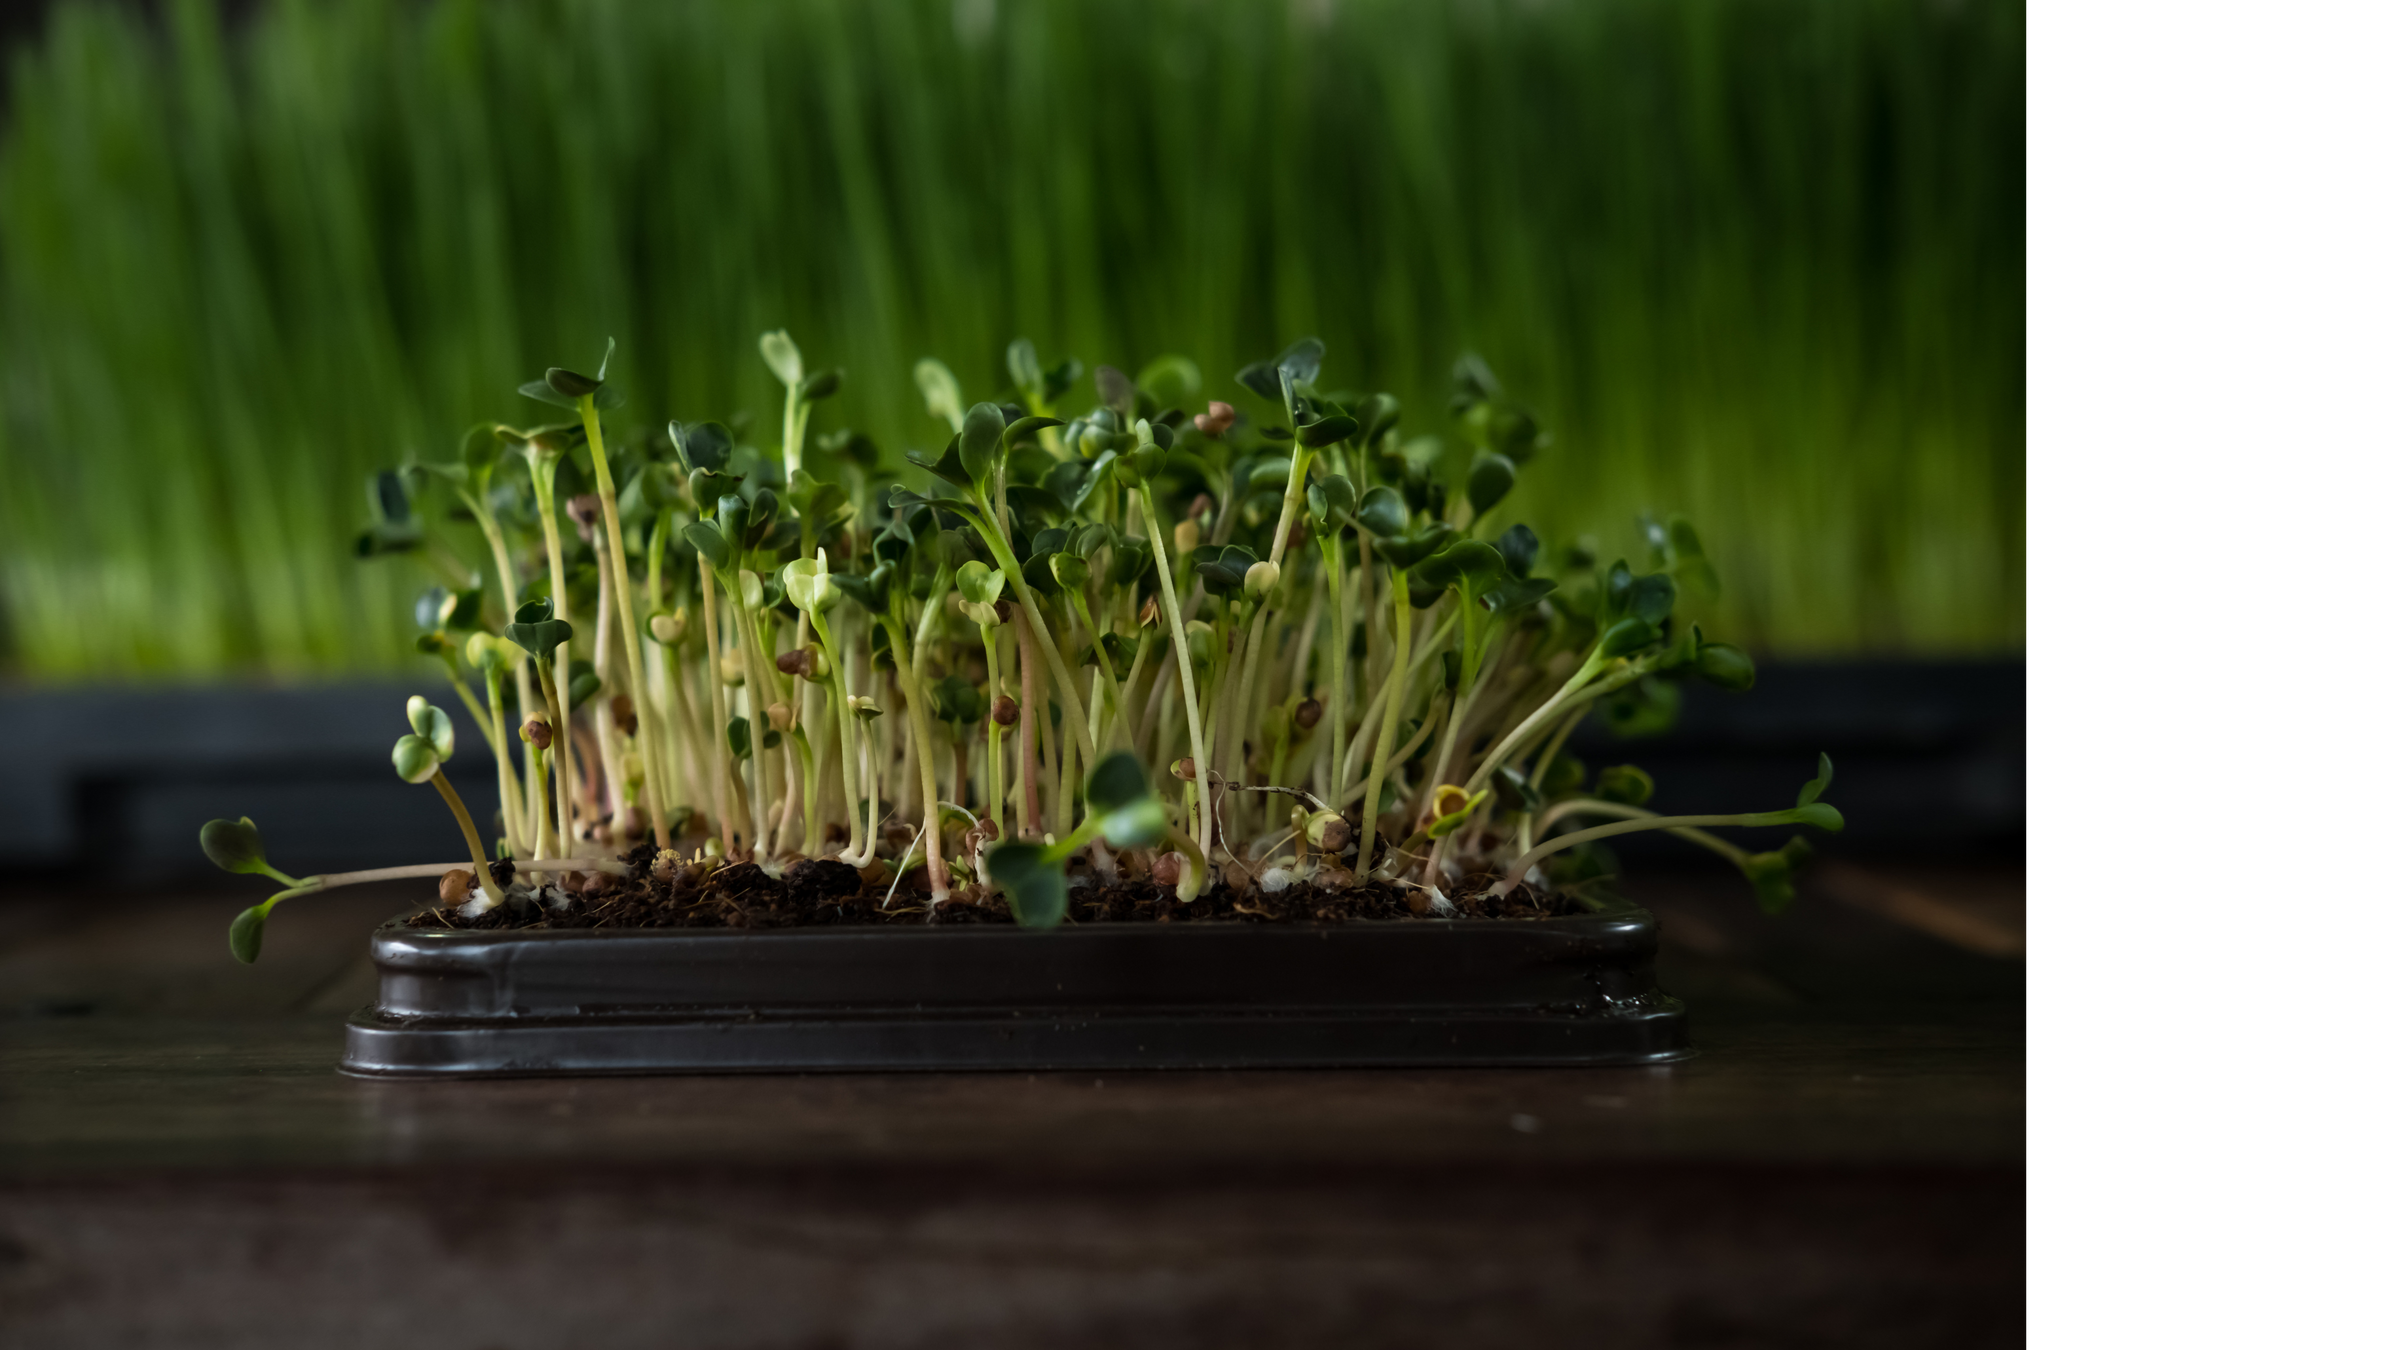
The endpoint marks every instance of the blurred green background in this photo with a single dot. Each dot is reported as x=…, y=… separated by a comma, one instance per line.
x=1756, y=261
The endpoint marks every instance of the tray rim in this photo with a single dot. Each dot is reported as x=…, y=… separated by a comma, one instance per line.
x=1628, y=920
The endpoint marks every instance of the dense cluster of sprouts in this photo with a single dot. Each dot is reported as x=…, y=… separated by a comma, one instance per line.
x=1257, y=648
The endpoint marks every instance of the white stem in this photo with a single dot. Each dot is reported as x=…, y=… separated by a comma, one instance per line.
x=333, y=879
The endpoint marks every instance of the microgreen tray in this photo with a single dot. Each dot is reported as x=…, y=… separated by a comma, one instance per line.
x=1573, y=991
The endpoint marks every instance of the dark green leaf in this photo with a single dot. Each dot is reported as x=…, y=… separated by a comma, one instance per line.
x=947, y=466
x=1328, y=431
x=1409, y=549
x=1682, y=652
x=1490, y=480
x=708, y=541
x=234, y=845
x=1033, y=503
x=248, y=934
x=1652, y=598
x=540, y=390
x=903, y=502
x=1089, y=540
x=1515, y=793
x=1520, y=548
x=1331, y=498
x=955, y=700
x=1023, y=432
x=1617, y=591
x=1036, y=888
x=822, y=385
x=1116, y=782
x=1815, y=787
x=569, y=385
x=1517, y=595
x=1120, y=652
x=539, y=638
x=1300, y=361
x=1037, y=571
x=1625, y=783
x=1061, y=377
x=979, y=442
x=1627, y=636
x=1096, y=472
x=1071, y=480
x=1271, y=474
x=1383, y=513
x=387, y=496
x=1222, y=568
x=701, y=445
x=1141, y=464
x=1727, y=666
x=760, y=517
x=873, y=591
x=1470, y=563
x=1130, y=561
x=1032, y=464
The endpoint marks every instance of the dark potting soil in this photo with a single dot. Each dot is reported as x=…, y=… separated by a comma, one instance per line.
x=824, y=892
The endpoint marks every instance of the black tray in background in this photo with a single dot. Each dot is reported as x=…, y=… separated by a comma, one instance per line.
x=109, y=784
x=1413, y=993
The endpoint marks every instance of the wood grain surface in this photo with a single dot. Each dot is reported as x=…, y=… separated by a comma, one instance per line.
x=1842, y=1164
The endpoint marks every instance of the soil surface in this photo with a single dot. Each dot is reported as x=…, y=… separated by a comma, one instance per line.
x=671, y=892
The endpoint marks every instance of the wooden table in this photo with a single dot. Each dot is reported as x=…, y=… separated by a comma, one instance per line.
x=1842, y=1165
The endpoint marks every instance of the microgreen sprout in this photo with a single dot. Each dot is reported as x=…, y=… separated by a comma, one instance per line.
x=1116, y=619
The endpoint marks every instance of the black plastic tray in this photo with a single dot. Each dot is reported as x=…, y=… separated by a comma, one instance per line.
x=1097, y=996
